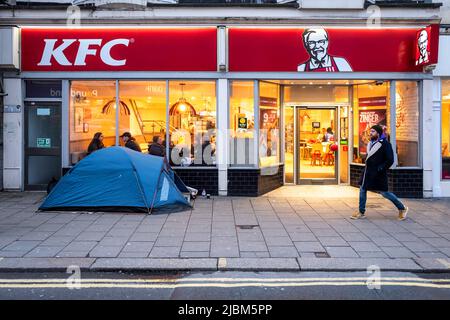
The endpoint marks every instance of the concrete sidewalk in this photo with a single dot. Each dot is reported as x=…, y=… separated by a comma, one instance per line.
x=280, y=231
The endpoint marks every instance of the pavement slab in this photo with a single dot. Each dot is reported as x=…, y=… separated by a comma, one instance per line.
x=105, y=264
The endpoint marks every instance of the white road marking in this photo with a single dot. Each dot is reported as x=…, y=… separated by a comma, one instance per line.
x=220, y=285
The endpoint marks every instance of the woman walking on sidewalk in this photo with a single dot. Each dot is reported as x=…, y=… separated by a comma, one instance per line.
x=380, y=158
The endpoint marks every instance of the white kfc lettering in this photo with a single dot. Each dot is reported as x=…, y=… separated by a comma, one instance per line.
x=105, y=53
x=84, y=49
x=58, y=54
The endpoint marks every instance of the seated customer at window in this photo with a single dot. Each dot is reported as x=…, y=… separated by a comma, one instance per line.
x=96, y=143
x=156, y=148
x=329, y=136
x=130, y=142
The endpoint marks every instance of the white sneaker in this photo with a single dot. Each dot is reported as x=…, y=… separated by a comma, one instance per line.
x=402, y=213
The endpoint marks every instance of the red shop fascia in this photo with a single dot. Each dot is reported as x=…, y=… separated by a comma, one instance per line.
x=248, y=49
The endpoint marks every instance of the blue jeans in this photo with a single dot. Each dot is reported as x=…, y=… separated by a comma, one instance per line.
x=388, y=195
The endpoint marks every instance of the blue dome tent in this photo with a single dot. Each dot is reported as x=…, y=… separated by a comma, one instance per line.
x=118, y=179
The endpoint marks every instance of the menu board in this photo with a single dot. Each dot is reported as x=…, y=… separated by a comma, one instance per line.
x=367, y=119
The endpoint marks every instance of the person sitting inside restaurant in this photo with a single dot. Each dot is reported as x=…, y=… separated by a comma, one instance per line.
x=322, y=136
x=329, y=136
x=130, y=142
x=156, y=148
x=96, y=143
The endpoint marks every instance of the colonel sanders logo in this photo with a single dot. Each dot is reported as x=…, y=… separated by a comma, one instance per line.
x=316, y=42
x=423, y=48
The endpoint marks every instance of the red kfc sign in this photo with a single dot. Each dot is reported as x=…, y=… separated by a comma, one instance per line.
x=330, y=49
x=147, y=49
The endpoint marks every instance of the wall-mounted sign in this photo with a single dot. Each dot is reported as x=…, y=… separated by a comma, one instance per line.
x=242, y=122
x=372, y=101
x=12, y=109
x=119, y=49
x=423, y=46
x=43, y=111
x=316, y=124
x=329, y=49
x=43, y=143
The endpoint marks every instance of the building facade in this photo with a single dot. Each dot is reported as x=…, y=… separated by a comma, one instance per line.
x=245, y=96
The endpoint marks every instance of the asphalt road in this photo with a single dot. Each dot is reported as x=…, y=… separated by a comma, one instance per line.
x=225, y=286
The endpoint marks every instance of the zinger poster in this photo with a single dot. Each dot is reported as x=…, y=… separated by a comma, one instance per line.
x=367, y=119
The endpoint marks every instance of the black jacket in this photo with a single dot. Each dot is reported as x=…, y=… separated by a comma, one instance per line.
x=156, y=149
x=379, y=159
x=94, y=146
x=132, y=144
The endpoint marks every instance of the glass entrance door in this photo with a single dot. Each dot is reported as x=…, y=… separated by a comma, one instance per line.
x=317, y=137
x=43, y=144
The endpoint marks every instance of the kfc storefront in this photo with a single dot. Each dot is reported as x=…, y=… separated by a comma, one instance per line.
x=241, y=110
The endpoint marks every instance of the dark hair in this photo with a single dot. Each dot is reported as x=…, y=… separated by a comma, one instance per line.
x=155, y=139
x=96, y=143
x=329, y=130
x=378, y=129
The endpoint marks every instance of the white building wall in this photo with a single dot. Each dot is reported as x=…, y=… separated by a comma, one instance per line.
x=13, y=137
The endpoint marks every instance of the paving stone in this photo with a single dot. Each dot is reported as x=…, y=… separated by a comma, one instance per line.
x=136, y=246
x=303, y=236
x=90, y=236
x=386, y=242
x=354, y=236
x=169, y=241
x=278, y=241
x=144, y=236
x=155, y=264
x=434, y=264
x=263, y=264
x=364, y=246
x=105, y=251
x=333, y=241
x=325, y=232
x=197, y=236
x=72, y=254
x=165, y=252
x=44, y=251
x=195, y=246
x=61, y=264
x=307, y=246
x=398, y=252
x=417, y=246
x=437, y=242
x=252, y=246
x=283, y=252
x=113, y=241
x=21, y=245
x=194, y=254
x=80, y=246
x=357, y=264
x=372, y=254
x=341, y=252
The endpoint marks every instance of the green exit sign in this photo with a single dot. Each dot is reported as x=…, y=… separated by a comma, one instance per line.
x=44, y=143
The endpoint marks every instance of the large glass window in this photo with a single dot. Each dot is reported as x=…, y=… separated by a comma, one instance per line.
x=143, y=111
x=242, y=123
x=269, y=124
x=407, y=123
x=192, y=112
x=445, y=129
x=92, y=110
x=370, y=107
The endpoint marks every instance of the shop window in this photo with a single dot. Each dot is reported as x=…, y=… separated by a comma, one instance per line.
x=445, y=129
x=192, y=123
x=370, y=107
x=269, y=124
x=407, y=123
x=92, y=110
x=242, y=123
x=143, y=112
